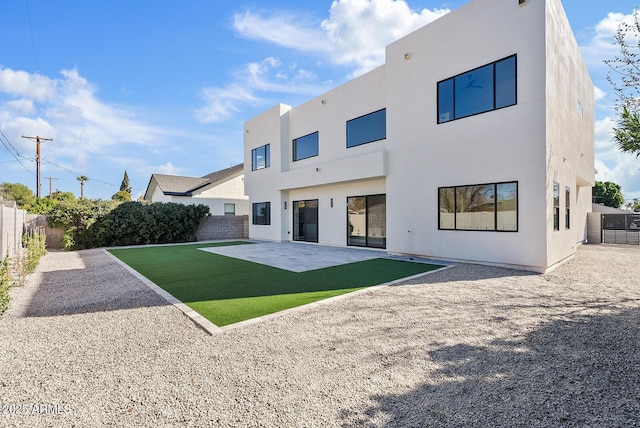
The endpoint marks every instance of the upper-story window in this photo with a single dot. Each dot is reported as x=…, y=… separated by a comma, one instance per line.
x=367, y=129
x=260, y=157
x=483, y=89
x=305, y=147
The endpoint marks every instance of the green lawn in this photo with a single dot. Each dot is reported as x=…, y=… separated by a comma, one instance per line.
x=226, y=290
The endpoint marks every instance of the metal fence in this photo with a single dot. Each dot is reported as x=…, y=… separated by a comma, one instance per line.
x=621, y=229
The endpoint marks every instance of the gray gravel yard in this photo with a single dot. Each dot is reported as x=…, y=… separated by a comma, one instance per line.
x=87, y=344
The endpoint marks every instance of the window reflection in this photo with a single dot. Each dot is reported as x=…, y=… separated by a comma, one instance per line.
x=305, y=147
x=368, y=128
x=483, y=89
x=479, y=207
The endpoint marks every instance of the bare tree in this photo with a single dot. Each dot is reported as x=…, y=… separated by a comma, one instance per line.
x=624, y=73
x=624, y=77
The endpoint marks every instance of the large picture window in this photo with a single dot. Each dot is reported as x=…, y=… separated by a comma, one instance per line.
x=367, y=129
x=260, y=157
x=305, y=147
x=492, y=207
x=490, y=87
x=261, y=213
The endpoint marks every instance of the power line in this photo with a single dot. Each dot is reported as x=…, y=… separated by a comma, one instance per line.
x=78, y=174
x=9, y=142
x=6, y=143
x=33, y=46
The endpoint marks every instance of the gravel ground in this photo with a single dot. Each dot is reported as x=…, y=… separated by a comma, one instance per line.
x=86, y=344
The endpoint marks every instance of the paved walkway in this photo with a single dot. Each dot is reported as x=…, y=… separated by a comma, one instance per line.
x=300, y=257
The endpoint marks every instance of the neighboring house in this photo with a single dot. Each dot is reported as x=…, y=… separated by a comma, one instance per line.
x=600, y=208
x=222, y=191
x=474, y=141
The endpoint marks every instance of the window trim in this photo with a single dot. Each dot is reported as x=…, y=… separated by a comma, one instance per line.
x=267, y=157
x=567, y=208
x=556, y=208
x=267, y=221
x=366, y=236
x=495, y=206
x=452, y=78
x=294, y=147
x=226, y=204
x=295, y=211
x=363, y=116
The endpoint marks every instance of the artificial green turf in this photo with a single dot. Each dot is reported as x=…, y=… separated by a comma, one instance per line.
x=226, y=290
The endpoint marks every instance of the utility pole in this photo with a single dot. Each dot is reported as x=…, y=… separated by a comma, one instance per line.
x=50, y=188
x=38, y=139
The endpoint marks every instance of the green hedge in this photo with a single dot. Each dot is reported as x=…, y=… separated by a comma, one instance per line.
x=91, y=224
x=134, y=223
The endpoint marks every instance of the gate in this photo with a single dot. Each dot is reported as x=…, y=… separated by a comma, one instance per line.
x=621, y=229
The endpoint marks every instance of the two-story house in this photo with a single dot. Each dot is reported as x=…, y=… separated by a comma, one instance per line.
x=474, y=142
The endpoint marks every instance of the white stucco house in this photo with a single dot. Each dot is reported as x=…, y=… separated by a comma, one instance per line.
x=473, y=142
x=222, y=191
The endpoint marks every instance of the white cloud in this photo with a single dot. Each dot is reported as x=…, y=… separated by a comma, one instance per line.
x=266, y=76
x=598, y=93
x=85, y=130
x=359, y=30
x=602, y=46
x=354, y=35
x=281, y=29
x=613, y=165
x=23, y=84
x=167, y=168
x=222, y=103
x=22, y=106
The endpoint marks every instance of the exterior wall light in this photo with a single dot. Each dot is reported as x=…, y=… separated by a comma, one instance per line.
x=407, y=56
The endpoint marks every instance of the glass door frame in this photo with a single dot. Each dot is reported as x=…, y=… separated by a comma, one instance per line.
x=304, y=224
x=367, y=243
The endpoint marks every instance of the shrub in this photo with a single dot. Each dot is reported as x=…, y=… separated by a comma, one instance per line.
x=76, y=217
x=13, y=272
x=4, y=285
x=35, y=249
x=90, y=224
x=135, y=223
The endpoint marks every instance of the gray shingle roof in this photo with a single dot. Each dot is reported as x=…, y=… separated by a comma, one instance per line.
x=179, y=185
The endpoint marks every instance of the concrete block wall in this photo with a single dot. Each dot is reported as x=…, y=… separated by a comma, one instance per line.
x=12, y=222
x=224, y=227
x=594, y=228
x=53, y=235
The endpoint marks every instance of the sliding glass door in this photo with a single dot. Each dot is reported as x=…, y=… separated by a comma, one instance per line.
x=367, y=221
x=305, y=220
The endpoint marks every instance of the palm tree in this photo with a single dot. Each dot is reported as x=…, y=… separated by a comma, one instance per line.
x=82, y=179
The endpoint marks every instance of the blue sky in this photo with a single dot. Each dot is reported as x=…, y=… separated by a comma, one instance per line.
x=164, y=86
